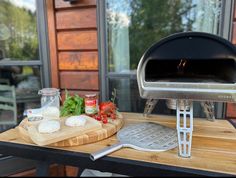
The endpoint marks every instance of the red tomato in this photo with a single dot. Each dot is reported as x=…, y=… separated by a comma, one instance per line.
x=99, y=118
x=104, y=119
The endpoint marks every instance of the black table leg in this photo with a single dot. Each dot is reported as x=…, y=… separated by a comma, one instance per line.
x=80, y=171
x=42, y=169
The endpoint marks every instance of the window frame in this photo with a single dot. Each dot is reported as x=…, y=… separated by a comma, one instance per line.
x=44, y=63
x=44, y=59
x=225, y=31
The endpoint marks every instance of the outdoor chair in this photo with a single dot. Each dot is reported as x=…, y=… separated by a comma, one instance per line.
x=8, y=103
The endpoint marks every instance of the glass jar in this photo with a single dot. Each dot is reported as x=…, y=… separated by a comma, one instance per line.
x=91, y=104
x=50, y=103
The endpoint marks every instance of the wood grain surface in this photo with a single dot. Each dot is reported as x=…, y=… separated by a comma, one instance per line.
x=79, y=80
x=231, y=110
x=82, y=18
x=64, y=133
x=213, y=146
x=78, y=60
x=77, y=40
x=234, y=11
x=78, y=92
x=234, y=33
x=98, y=134
x=59, y=4
x=52, y=37
x=73, y=44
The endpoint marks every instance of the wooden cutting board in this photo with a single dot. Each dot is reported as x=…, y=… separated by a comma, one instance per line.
x=104, y=132
x=64, y=133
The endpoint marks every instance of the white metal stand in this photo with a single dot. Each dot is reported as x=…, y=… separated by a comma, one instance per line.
x=184, y=125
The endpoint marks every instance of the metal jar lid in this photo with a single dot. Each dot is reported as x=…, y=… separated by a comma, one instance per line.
x=49, y=91
x=92, y=95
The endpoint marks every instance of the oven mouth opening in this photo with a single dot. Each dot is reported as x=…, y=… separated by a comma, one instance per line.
x=191, y=70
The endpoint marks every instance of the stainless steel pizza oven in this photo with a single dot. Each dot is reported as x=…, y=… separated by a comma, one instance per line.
x=192, y=65
x=187, y=67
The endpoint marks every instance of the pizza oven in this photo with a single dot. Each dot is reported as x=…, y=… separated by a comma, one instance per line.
x=190, y=65
x=187, y=67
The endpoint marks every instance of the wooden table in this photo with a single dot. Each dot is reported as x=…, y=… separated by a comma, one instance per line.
x=213, y=152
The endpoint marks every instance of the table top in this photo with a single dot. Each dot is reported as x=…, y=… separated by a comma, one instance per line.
x=213, y=150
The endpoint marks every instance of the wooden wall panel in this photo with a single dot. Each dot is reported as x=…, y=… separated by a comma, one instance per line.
x=80, y=3
x=52, y=43
x=74, y=61
x=231, y=110
x=234, y=11
x=72, y=19
x=77, y=40
x=80, y=93
x=234, y=33
x=79, y=80
x=78, y=60
x=231, y=107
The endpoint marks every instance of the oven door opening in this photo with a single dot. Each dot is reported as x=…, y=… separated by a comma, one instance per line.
x=191, y=71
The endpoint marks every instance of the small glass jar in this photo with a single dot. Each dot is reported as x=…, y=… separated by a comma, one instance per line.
x=50, y=103
x=91, y=104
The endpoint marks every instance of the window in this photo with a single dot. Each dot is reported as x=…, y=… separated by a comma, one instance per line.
x=23, y=61
x=131, y=26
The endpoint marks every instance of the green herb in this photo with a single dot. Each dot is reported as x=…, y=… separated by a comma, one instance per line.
x=73, y=105
x=113, y=93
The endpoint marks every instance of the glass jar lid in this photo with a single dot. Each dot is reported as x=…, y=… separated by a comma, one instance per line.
x=49, y=91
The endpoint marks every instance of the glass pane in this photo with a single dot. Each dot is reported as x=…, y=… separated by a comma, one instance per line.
x=18, y=30
x=128, y=98
x=26, y=82
x=134, y=25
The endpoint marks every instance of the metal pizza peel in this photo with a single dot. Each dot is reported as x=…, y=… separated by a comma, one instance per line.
x=145, y=136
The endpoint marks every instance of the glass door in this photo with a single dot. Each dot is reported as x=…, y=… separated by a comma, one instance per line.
x=20, y=58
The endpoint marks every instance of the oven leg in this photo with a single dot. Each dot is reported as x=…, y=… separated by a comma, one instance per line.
x=149, y=106
x=184, y=113
x=209, y=110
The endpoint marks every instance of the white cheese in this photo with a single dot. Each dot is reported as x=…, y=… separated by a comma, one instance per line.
x=49, y=126
x=74, y=121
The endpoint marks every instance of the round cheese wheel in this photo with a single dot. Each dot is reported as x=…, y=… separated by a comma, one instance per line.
x=49, y=126
x=75, y=121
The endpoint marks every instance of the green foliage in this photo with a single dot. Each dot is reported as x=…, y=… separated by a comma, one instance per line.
x=73, y=105
x=152, y=20
x=113, y=93
x=21, y=22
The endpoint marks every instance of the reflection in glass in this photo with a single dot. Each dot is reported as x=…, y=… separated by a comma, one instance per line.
x=26, y=82
x=128, y=98
x=18, y=30
x=134, y=25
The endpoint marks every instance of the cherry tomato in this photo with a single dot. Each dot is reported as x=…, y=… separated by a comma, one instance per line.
x=99, y=118
x=104, y=119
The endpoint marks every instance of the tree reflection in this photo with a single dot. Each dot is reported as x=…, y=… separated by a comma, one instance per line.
x=154, y=19
x=22, y=43
x=148, y=21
